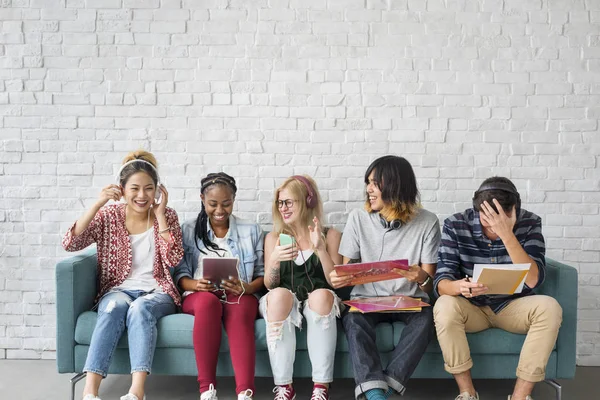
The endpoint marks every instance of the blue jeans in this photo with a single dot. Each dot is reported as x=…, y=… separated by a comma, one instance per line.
x=366, y=362
x=138, y=311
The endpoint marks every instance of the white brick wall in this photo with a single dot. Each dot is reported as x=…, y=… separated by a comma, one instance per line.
x=265, y=89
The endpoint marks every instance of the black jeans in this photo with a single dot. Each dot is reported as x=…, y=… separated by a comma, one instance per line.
x=366, y=362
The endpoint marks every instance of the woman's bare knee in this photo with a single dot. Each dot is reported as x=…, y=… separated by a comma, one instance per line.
x=321, y=301
x=279, y=304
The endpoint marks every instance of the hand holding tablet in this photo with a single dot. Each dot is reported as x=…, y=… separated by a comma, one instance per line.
x=220, y=270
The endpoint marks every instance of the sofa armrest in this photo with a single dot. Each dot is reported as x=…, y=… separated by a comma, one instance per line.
x=561, y=283
x=75, y=293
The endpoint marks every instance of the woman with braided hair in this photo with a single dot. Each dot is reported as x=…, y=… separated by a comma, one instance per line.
x=216, y=232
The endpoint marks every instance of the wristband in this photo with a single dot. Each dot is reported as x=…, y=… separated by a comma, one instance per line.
x=426, y=281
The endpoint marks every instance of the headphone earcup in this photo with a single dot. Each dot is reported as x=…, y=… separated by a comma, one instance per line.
x=158, y=194
x=391, y=225
x=395, y=224
x=383, y=222
x=310, y=201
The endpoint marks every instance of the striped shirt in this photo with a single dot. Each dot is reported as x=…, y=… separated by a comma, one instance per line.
x=464, y=244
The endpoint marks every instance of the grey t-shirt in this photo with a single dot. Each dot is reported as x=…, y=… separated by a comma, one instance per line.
x=417, y=241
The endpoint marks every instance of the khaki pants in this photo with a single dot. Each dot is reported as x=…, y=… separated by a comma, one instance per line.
x=537, y=316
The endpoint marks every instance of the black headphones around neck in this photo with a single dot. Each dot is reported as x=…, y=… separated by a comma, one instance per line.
x=390, y=225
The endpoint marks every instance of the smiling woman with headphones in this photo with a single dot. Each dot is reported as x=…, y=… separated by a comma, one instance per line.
x=299, y=255
x=392, y=226
x=137, y=241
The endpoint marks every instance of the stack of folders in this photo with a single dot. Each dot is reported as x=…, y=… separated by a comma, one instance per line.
x=389, y=304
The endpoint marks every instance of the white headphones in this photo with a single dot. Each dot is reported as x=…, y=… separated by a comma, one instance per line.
x=157, y=195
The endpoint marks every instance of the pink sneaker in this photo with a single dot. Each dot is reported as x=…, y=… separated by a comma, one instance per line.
x=320, y=392
x=284, y=392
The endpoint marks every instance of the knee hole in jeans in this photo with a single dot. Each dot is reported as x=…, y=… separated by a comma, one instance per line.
x=275, y=333
x=112, y=304
x=280, y=303
x=321, y=301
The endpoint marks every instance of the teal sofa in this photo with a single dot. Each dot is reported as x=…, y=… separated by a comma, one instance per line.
x=494, y=352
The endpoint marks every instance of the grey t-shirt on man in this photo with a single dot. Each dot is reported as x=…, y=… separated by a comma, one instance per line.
x=365, y=238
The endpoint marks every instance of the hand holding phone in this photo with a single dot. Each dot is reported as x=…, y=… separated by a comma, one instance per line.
x=285, y=249
x=284, y=239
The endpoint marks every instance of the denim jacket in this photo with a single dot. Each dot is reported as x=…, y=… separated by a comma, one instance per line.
x=245, y=239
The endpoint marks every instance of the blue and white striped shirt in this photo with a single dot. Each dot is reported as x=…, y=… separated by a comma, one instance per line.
x=464, y=244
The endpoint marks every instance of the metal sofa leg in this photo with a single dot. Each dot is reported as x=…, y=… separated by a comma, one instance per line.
x=556, y=387
x=74, y=381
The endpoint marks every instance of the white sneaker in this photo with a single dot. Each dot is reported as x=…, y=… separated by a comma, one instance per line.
x=131, y=396
x=91, y=397
x=526, y=398
x=245, y=395
x=467, y=396
x=210, y=394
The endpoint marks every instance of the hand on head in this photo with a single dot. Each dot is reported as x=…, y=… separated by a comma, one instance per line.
x=498, y=222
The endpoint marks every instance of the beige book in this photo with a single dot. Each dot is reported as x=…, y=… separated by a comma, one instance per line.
x=501, y=278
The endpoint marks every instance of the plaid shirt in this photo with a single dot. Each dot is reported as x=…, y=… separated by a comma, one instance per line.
x=464, y=245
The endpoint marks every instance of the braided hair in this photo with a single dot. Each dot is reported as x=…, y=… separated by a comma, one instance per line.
x=201, y=228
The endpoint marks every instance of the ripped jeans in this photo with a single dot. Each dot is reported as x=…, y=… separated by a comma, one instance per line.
x=321, y=339
x=138, y=311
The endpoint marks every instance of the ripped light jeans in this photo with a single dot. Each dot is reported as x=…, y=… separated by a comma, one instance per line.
x=138, y=311
x=321, y=340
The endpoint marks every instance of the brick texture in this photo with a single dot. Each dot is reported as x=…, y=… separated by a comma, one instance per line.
x=265, y=89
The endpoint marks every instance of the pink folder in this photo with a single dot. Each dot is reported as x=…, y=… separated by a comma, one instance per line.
x=389, y=303
x=372, y=271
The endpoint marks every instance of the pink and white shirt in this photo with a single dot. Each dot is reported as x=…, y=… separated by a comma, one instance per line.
x=110, y=234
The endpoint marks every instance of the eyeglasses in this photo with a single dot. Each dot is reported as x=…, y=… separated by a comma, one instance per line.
x=289, y=203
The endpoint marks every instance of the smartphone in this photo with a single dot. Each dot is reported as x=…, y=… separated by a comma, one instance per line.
x=286, y=239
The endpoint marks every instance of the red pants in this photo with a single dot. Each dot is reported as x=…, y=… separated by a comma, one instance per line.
x=238, y=320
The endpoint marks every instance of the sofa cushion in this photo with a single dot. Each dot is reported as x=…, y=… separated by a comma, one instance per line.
x=176, y=331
